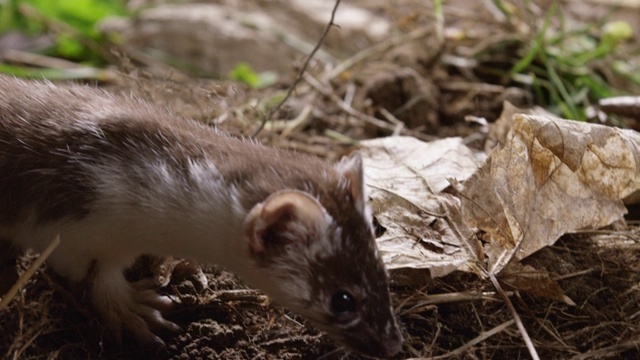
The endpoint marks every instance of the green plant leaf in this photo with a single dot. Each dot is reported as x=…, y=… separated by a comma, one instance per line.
x=243, y=72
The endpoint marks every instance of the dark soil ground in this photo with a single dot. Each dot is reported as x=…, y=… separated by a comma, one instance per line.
x=228, y=321
x=223, y=319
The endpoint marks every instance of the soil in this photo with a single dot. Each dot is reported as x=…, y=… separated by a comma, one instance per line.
x=427, y=97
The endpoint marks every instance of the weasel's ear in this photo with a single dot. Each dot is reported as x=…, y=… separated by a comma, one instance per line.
x=350, y=168
x=283, y=218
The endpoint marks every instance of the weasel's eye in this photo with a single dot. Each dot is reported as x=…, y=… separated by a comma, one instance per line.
x=342, y=302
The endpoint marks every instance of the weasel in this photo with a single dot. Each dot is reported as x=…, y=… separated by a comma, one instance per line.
x=116, y=178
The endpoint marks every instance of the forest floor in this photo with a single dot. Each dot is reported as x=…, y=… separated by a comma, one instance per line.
x=427, y=87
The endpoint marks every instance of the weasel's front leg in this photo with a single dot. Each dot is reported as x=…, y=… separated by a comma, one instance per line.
x=126, y=307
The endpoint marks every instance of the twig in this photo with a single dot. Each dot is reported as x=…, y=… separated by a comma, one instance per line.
x=302, y=71
x=318, y=86
x=608, y=351
x=478, y=339
x=451, y=298
x=575, y=274
x=27, y=343
x=516, y=317
x=152, y=65
x=376, y=49
x=332, y=134
x=394, y=120
x=29, y=273
x=31, y=59
x=289, y=126
x=359, y=115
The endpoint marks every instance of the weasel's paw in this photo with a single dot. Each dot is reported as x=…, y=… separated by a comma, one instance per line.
x=131, y=308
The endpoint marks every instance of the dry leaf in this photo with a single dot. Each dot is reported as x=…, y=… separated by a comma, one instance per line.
x=423, y=227
x=551, y=177
x=500, y=128
x=535, y=282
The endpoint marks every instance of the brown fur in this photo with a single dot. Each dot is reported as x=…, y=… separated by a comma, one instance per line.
x=64, y=149
x=42, y=147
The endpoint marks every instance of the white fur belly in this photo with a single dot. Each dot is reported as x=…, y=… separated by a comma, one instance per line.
x=81, y=243
x=117, y=236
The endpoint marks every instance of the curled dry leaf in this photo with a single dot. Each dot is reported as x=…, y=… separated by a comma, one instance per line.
x=500, y=128
x=551, y=177
x=423, y=225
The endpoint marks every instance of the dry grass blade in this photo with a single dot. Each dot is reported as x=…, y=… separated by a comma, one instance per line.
x=321, y=88
x=26, y=343
x=29, y=273
x=452, y=298
x=289, y=126
x=378, y=49
x=326, y=91
x=478, y=339
x=609, y=351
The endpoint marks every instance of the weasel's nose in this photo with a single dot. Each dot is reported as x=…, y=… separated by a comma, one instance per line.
x=387, y=346
x=393, y=343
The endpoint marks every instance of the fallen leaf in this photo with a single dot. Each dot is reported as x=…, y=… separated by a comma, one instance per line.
x=535, y=282
x=423, y=226
x=500, y=128
x=551, y=177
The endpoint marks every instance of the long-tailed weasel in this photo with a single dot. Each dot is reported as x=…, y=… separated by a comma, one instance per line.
x=116, y=178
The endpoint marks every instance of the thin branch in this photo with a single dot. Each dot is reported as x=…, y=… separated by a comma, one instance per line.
x=523, y=331
x=609, y=351
x=29, y=273
x=321, y=88
x=302, y=71
x=324, y=90
x=379, y=48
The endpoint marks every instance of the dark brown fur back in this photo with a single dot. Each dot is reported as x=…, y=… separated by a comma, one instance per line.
x=50, y=134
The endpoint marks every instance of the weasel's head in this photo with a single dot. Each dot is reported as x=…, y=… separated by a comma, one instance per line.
x=321, y=261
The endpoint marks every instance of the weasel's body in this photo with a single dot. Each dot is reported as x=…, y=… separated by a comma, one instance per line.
x=117, y=178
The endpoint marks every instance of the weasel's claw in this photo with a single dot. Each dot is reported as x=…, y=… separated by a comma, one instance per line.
x=133, y=308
